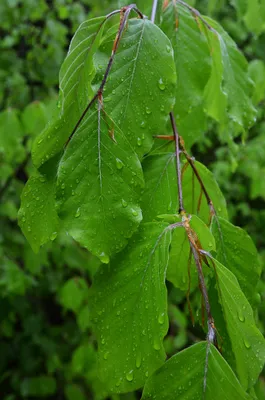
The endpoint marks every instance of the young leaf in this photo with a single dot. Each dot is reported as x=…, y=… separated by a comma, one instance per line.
x=140, y=91
x=98, y=187
x=129, y=309
x=193, y=65
x=183, y=377
x=247, y=342
x=236, y=250
x=195, y=200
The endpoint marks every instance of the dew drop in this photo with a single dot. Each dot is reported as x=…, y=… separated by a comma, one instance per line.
x=129, y=376
x=156, y=344
x=241, y=316
x=124, y=203
x=53, y=236
x=104, y=258
x=161, y=84
x=147, y=110
x=138, y=360
x=62, y=186
x=77, y=214
x=168, y=49
x=143, y=123
x=139, y=141
x=161, y=318
x=247, y=344
x=106, y=356
x=134, y=212
x=119, y=163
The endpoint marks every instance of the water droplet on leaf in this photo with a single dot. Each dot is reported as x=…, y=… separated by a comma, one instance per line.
x=129, y=376
x=119, y=163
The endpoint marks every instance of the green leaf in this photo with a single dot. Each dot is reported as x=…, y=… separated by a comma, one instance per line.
x=37, y=215
x=39, y=386
x=76, y=75
x=98, y=188
x=11, y=133
x=193, y=65
x=129, y=312
x=254, y=17
x=228, y=91
x=236, y=250
x=192, y=193
x=257, y=74
x=182, y=377
x=139, y=93
x=160, y=195
x=247, y=342
x=34, y=118
x=181, y=268
x=73, y=293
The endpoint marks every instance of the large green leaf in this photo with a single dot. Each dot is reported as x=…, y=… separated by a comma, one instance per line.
x=247, y=341
x=193, y=65
x=140, y=91
x=11, y=132
x=183, y=377
x=76, y=75
x=236, y=250
x=98, y=188
x=129, y=309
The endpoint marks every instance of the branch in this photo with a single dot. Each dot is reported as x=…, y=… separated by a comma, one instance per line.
x=178, y=165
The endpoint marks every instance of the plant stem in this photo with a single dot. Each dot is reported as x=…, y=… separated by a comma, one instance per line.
x=154, y=8
x=178, y=165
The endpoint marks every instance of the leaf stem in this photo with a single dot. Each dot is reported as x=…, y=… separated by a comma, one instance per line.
x=153, y=13
x=178, y=164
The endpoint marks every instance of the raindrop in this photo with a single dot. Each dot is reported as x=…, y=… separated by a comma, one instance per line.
x=139, y=141
x=161, y=318
x=62, y=185
x=119, y=163
x=138, y=360
x=129, y=376
x=106, y=356
x=134, y=212
x=156, y=344
x=124, y=203
x=143, y=123
x=77, y=214
x=104, y=258
x=161, y=84
x=241, y=316
x=53, y=236
x=247, y=344
x=147, y=110
x=168, y=49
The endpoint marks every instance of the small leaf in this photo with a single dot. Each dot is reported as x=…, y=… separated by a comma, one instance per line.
x=73, y=293
x=130, y=309
x=182, y=377
x=194, y=199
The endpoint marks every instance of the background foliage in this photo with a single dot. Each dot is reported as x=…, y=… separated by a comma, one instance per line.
x=46, y=344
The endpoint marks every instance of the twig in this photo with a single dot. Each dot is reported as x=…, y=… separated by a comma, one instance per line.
x=178, y=165
x=154, y=8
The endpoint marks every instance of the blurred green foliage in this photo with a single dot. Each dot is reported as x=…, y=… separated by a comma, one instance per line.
x=47, y=349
